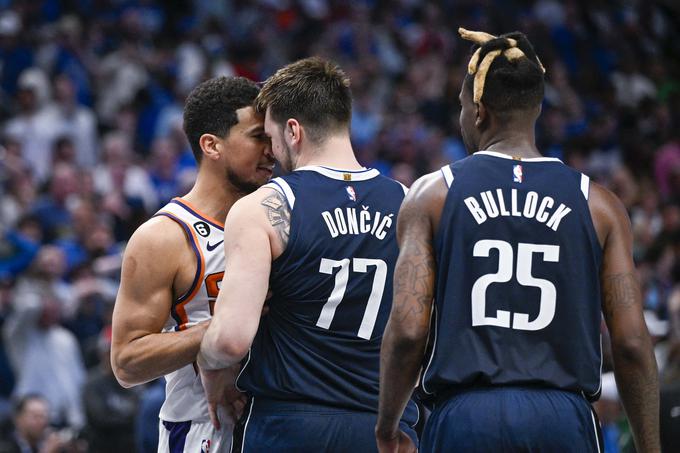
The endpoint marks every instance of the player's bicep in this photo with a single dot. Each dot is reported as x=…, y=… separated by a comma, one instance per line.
x=145, y=295
x=247, y=267
x=415, y=269
x=273, y=213
x=621, y=295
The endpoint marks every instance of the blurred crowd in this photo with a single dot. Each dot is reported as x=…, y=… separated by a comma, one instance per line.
x=91, y=97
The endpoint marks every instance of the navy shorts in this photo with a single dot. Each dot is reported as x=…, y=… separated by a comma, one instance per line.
x=277, y=427
x=512, y=419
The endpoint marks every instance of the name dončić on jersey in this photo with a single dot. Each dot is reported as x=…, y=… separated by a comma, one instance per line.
x=354, y=221
x=532, y=206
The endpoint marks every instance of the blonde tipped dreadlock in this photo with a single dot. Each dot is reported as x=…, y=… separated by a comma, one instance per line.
x=479, y=70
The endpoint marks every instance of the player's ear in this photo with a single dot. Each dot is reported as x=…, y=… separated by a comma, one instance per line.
x=293, y=132
x=211, y=145
x=481, y=114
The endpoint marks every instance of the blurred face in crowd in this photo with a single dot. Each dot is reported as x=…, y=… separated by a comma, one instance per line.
x=33, y=419
x=64, y=182
x=468, y=117
x=281, y=149
x=248, y=159
x=99, y=239
x=117, y=149
x=50, y=262
x=64, y=91
x=27, y=99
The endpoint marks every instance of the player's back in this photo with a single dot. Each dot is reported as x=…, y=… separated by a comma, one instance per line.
x=517, y=297
x=332, y=291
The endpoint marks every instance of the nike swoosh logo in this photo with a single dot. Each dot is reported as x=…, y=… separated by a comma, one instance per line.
x=212, y=247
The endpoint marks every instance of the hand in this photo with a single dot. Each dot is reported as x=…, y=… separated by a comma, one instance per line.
x=235, y=408
x=219, y=389
x=401, y=443
x=54, y=443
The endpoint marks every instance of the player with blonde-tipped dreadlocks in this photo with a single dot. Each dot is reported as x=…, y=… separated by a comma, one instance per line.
x=508, y=47
x=508, y=260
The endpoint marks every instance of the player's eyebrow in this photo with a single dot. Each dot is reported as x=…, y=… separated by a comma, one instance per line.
x=256, y=130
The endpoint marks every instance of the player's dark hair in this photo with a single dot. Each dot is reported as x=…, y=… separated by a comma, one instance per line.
x=314, y=91
x=211, y=108
x=513, y=80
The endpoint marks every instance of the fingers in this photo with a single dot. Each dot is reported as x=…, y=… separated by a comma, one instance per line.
x=214, y=419
x=239, y=407
x=388, y=446
x=236, y=407
x=406, y=444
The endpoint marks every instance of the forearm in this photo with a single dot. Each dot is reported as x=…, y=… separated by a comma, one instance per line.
x=637, y=379
x=154, y=355
x=400, y=362
x=217, y=353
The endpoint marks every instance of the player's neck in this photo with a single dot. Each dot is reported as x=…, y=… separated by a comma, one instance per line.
x=211, y=197
x=510, y=142
x=335, y=152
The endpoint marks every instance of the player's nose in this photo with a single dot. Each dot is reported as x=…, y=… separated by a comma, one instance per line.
x=268, y=153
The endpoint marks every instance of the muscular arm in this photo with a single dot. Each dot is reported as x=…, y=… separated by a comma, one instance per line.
x=255, y=232
x=139, y=351
x=634, y=363
x=406, y=332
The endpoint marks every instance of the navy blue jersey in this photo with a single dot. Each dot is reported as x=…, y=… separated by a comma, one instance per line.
x=332, y=291
x=517, y=293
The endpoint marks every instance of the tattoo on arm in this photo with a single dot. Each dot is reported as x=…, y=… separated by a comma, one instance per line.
x=634, y=362
x=414, y=277
x=278, y=214
x=620, y=291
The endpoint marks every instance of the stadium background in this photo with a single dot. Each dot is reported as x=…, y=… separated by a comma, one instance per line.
x=91, y=96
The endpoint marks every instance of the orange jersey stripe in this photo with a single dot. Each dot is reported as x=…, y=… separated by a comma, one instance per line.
x=178, y=304
x=196, y=285
x=198, y=212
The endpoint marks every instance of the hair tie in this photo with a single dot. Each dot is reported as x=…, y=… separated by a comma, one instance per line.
x=480, y=70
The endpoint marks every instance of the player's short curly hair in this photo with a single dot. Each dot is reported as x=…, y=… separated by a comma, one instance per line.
x=314, y=91
x=211, y=108
x=510, y=84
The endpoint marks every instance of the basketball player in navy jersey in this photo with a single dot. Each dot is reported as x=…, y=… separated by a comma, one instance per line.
x=323, y=239
x=173, y=264
x=507, y=262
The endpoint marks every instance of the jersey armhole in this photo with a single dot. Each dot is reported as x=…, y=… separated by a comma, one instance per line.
x=405, y=189
x=448, y=175
x=585, y=185
x=282, y=187
x=177, y=309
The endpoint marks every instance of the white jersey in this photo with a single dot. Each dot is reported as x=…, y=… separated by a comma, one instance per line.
x=184, y=397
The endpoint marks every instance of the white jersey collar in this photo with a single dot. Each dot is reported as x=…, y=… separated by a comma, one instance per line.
x=506, y=156
x=342, y=175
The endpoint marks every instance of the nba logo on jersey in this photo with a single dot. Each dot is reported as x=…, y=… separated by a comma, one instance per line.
x=205, y=446
x=351, y=193
x=517, y=173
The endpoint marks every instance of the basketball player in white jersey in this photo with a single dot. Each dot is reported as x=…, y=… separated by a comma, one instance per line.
x=174, y=263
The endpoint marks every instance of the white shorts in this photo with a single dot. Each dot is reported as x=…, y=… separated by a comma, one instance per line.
x=194, y=437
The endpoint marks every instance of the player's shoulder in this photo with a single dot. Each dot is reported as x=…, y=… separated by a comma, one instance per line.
x=426, y=197
x=392, y=183
x=603, y=201
x=158, y=236
x=428, y=187
x=253, y=206
x=607, y=211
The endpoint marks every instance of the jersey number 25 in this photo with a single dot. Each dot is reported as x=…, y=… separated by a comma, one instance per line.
x=520, y=321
